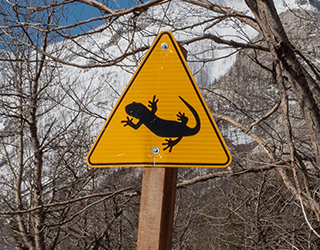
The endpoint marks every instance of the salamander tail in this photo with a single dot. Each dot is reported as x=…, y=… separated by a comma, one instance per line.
x=196, y=129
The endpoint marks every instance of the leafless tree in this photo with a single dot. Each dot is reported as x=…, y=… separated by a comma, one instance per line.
x=51, y=200
x=47, y=191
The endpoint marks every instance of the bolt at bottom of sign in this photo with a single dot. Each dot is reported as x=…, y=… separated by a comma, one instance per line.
x=155, y=150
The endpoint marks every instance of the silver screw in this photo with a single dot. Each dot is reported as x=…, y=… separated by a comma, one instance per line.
x=164, y=46
x=155, y=150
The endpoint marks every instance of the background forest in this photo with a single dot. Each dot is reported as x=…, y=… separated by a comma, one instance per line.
x=61, y=72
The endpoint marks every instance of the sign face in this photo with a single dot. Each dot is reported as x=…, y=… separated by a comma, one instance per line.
x=161, y=118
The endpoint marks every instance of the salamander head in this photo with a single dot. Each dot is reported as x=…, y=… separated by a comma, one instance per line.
x=136, y=110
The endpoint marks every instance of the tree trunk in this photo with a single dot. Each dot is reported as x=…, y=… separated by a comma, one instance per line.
x=283, y=51
x=273, y=31
x=38, y=190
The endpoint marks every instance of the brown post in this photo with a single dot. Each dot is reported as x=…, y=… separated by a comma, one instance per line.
x=157, y=208
x=158, y=196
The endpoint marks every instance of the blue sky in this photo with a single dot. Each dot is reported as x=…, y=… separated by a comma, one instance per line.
x=80, y=11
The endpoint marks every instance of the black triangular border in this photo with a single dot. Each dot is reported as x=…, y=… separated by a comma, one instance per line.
x=202, y=103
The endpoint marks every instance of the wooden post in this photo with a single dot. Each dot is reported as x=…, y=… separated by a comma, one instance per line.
x=157, y=208
x=158, y=196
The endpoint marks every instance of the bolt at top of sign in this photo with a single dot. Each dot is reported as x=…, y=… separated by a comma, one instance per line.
x=164, y=46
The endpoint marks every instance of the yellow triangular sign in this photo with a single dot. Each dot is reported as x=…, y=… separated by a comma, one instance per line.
x=161, y=118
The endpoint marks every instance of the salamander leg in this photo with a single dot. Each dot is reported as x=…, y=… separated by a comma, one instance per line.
x=171, y=143
x=182, y=118
x=153, y=104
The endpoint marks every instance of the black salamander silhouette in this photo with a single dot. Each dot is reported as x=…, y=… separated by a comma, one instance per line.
x=162, y=127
